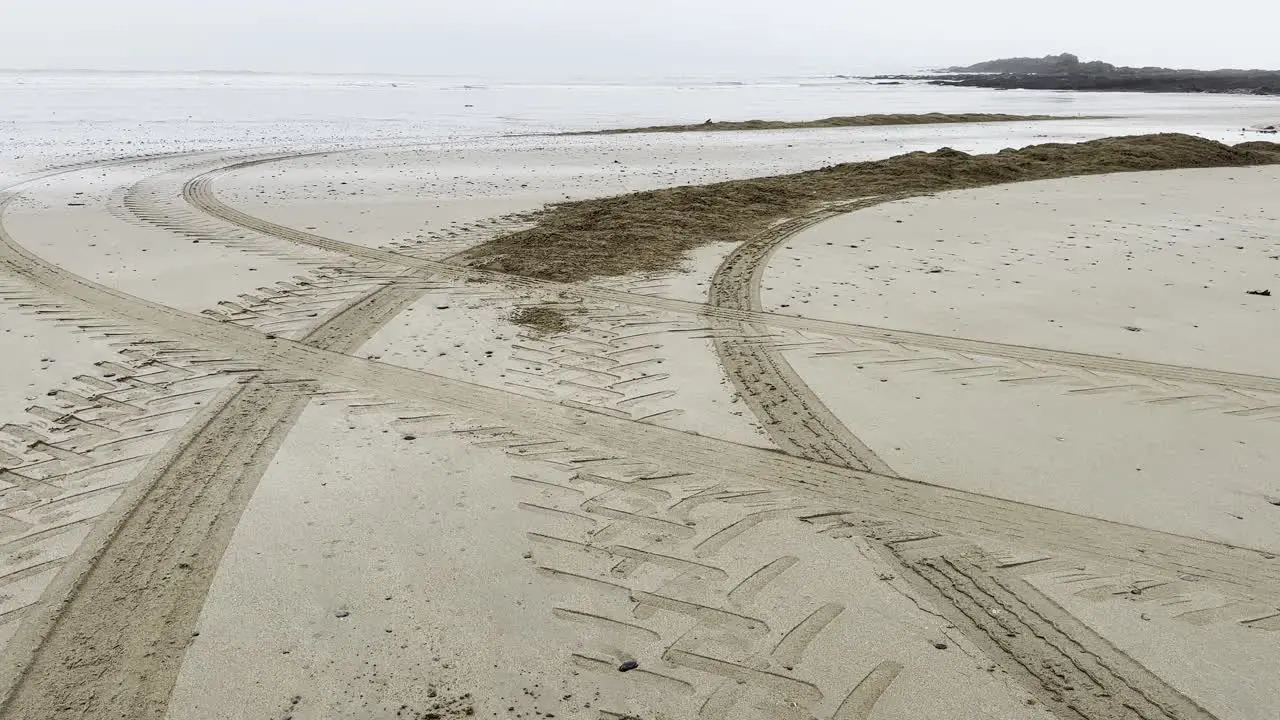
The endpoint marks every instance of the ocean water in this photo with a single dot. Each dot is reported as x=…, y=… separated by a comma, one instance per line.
x=52, y=117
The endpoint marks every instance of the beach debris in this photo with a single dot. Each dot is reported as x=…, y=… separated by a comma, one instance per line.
x=1262, y=293
x=1133, y=328
x=628, y=666
x=940, y=645
x=342, y=613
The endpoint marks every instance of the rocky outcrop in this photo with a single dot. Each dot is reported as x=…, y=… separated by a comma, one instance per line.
x=1068, y=72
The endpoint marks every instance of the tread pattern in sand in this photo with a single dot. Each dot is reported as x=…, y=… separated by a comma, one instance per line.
x=158, y=201
x=795, y=418
x=66, y=461
x=611, y=361
x=971, y=368
x=887, y=507
x=65, y=464
x=655, y=563
x=1076, y=668
x=649, y=582
x=1180, y=599
x=333, y=308
x=654, y=559
x=69, y=460
x=980, y=516
x=78, y=664
x=199, y=193
x=197, y=494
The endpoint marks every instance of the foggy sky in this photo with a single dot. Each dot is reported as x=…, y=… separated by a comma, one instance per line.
x=598, y=38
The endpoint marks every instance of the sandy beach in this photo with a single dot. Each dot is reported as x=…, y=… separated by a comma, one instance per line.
x=283, y=435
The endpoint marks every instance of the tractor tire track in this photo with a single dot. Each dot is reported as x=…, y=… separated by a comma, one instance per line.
x=1075, y=671
x=199, y=192
x=734, y=653
x=263, y=409
x=794, y=417
x=742, y=653
x=109, y=639
x=1246, y=571
x=116, y=645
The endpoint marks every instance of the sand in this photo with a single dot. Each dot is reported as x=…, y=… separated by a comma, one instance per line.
x=380, y=497
x=1153, y=267
x=85, y=227
x=1069, y=263
x=431, y=579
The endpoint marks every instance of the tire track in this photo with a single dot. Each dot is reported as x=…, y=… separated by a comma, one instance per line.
x=794, y=417
x=736, y=653
x=198, y=192
x=109, y=640
x=856, y=356
x=743, y=654
x=118, y=639
x=1076, y=671
x=962, y=513
x=875, y=495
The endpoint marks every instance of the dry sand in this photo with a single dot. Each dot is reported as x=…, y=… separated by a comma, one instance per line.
x=1069, y=263
x=85, y=228
x=469, y=516
x=1151, y=267
x=436, y=576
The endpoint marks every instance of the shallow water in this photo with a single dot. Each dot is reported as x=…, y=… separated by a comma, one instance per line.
x=52, y=117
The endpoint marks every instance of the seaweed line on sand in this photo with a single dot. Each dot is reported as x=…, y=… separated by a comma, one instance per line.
x=839, y=121
x=651, y=231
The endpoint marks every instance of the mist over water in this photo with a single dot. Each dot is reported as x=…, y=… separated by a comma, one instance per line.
x=54, y=116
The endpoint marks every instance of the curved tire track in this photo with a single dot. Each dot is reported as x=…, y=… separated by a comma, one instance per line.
x=110, y=643
x=117, y=643
x=1076, y=671
x=947, y=511
x=199, y=192
x=794, y=417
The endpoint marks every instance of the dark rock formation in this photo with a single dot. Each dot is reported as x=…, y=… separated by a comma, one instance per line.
x=1068, y=72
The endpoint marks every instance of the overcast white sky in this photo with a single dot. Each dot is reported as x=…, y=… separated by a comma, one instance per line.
x=549, y=38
